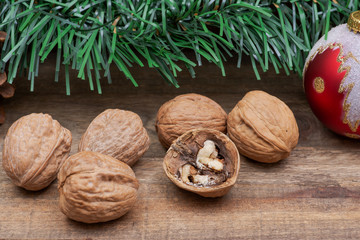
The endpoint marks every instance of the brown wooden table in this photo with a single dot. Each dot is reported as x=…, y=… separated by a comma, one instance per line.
x=314, y=194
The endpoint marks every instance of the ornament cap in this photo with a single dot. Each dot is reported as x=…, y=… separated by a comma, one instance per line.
x=354, y=21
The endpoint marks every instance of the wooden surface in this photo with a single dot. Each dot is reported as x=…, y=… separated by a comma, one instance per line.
x=314, y=194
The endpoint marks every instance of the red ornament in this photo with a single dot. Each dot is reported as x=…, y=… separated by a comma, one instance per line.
x=323, y=77
x=332, y=78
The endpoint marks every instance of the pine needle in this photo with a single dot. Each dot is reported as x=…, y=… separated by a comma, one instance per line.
x=89, y=36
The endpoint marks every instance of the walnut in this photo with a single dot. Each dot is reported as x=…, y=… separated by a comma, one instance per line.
x=263, y=127
x=95, y=187
x=187, y=112
x=35, y=147
x=203, y=161
x=117, y=133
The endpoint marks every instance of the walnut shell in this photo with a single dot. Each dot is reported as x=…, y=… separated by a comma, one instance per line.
x=116, y=133
x=95, y=187
x=35, y=147
x=186, y=112
x=263, y=127
x=185, y=150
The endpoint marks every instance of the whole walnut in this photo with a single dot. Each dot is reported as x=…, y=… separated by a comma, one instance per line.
x=203, y=161
x=35, y=147
x=95, y=187
x=117, y=133
x=186, y=112
x=263, y=127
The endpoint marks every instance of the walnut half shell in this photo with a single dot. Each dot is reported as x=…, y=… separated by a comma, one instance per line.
x=263, y=127
x=203, y=161
x=95, y=187
x=35, y=147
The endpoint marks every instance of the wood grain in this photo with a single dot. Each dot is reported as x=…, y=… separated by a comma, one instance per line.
x=314, y=194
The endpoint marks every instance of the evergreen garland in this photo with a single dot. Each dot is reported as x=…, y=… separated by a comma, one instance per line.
x=91, y=35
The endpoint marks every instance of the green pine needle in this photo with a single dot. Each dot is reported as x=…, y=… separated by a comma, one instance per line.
x=89, y=36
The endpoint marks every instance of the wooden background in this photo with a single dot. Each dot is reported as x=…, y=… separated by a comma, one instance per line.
x=314, y=194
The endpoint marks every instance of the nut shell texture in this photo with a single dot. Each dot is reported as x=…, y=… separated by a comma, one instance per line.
x=116, y=133
x=186, y=112
x=34, y=149
x=185, y=150
x=96, y=188
x=263, y=127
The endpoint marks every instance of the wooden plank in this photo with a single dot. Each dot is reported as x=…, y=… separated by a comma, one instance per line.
x=314, y=194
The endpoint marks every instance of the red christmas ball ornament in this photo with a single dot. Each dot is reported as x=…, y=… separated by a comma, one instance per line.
x=332, y=78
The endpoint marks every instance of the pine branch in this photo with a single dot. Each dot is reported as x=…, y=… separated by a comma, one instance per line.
x=89, y=36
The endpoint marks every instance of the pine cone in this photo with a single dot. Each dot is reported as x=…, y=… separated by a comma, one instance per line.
x=6, y=89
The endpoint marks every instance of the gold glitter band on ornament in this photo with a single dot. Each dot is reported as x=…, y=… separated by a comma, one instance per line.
x=354, y=22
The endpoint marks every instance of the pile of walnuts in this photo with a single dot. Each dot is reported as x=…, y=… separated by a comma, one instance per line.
x=202, y=159
x=97, y=184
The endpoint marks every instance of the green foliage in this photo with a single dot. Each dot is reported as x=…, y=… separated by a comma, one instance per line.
x=90, y=35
